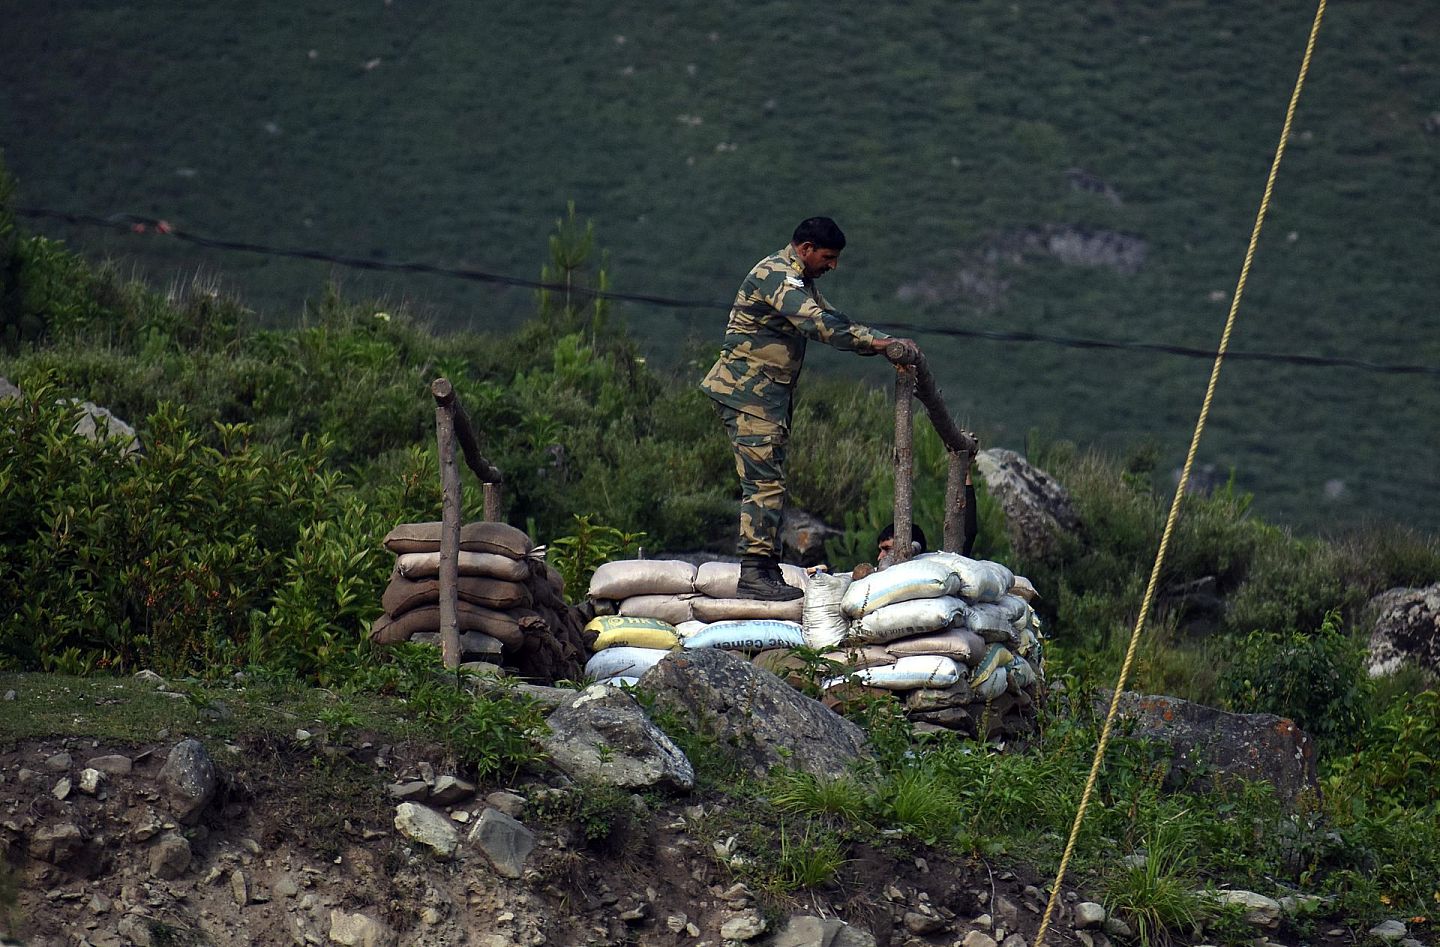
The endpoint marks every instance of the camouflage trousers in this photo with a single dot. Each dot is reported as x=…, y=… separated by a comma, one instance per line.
x=759, y=446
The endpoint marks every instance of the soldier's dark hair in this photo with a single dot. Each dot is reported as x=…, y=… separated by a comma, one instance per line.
x=821, y=231
x=917, y=535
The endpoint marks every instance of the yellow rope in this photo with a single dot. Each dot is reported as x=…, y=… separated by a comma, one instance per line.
x=1180, y=488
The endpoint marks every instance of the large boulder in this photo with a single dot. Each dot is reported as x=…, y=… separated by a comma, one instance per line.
x=1037, y=508
x=1206, y=745
x=101, y=424
x=753, y=714
x=1406, y=631
x=604, y=736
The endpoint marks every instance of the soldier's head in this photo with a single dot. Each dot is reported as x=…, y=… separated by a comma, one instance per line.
x=885, y=542
x=818, y=242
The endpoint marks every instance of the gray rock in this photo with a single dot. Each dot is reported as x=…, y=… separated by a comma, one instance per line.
x=747, y=925
x=188, y=779
x=1406, y=631
x=1089, y=914
x=1116, y=927
x=239, y=887
x=506, y=802
x=100, y=424
x=62, y=788
x=111, y=765
x=428, y=827
x=9, y=390
x=285, y=887
x=1389, y=931
x=90, y=780
x=147, y=676
x=415, y=790
x=359, y=930
x=1014, y=940
x=1007, y=913
x=449, y=790
x=1260, y=911
x=58, y=843
x=604, y=736
x=978, y=939
x=170, y=856
x=1206, y=743
x=502, y=840
x=756, y=716
x=920, y=924
x=59, y=763
x=1038, y=510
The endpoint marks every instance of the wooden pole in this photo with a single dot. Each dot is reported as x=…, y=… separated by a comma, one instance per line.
x=449, y=535
x=958, y=463
x=904, y=461
x=488, y=473
x=931, y=397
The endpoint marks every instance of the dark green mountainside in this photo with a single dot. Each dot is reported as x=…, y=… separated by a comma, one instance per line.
x=961, y=145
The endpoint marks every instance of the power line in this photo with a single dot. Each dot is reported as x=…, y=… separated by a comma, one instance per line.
x=135, y=224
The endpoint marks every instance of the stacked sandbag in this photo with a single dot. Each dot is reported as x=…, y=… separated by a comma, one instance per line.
x=510, y=604
x=677, y=592
x=954, y=637
x=625, y=647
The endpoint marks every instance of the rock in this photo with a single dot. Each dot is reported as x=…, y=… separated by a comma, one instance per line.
x=1038, y=510
x=502, y=840
x=111, y=765
x=1014, y=940
x=449, y=790
x=1260, y=911
x=147, y=676
x=506, y=802
x=1389, y=931
x=804, y=536
x=359, y=930
x=428, y=827
x=59, y=763
x=753, y=714
x=978, y=939
x=285, y=887
x=239, y=887
x=604, y=736
x=1205, y=742
x=921, y=924
x=9, y=390
x=189, y=780
x=58, y=843
x=1406, y=631
x=99, y=424
x=746, y=925
x=137, y=929
x=1089, y=914
x=170, y=856
x=1116, y=927
x=415, y=790
x=90, y=780
x=1006, y=912
x=62, y=789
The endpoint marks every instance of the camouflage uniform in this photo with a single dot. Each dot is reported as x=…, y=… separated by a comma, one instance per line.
x=776, y=310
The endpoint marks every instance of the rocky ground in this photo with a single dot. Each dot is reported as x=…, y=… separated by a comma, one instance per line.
x=294, y=839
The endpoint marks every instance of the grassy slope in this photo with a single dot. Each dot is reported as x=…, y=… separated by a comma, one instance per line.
x=927, y=130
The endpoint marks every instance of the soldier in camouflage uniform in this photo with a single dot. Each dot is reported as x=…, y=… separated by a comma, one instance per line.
x=777, y=309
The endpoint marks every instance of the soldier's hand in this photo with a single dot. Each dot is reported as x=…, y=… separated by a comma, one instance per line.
x=900, y=351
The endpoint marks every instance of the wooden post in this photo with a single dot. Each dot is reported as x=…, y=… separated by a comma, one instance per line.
x=934, y=401
x=904, y=461
x=958, y=464
x=488, y=473
x=449, y=535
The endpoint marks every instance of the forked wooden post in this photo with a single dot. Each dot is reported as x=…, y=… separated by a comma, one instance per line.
x=452, y=424
x=959, y=445
x=904, y=462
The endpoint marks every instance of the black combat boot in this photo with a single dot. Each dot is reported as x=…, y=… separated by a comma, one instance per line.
x=761, y=580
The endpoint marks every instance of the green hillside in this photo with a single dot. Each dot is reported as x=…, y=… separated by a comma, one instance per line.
x=943, y=136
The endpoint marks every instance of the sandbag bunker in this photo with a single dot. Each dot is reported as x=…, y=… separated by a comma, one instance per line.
x=955, y=639
x=511, y=608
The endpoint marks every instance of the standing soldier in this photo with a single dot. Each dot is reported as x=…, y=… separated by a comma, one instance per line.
x=753, y=382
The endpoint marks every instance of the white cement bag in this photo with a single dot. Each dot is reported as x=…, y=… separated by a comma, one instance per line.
x=1021, y=673
x=904, y=619
x=959, y=643
x=992, y=622
x=906, y=674
x=688, y=629
x=671, y=608
x=980, y=580
x=749, y=636
x=825, y=623
x=630, y=661
x=426, y=565
x=991, y=676
x=627, y=577
x=722, y=579
x=625, y=679
x=921, y=577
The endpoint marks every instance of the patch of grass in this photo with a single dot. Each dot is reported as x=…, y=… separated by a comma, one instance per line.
x=812, y=858
x=1156, y=896
x=843, y=799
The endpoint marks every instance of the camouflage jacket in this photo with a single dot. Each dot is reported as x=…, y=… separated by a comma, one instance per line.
x=776, y=310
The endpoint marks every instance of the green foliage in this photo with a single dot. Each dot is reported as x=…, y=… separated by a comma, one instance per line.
x=810, y=859
x=1156, y=896
x=845, y=799
x=606, y=817
x=1316, y=679
x=578, y=555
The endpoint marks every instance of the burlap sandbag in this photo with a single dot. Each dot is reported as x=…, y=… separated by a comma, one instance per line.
x=500, y=538
x=630, y=577
x=722, y=579
x=471, y=642
x=709, y=609
x=668, y=608
x=390, y=629
x=961, y=644
x=426, y=565
x=861, y=656
x=403, y=595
